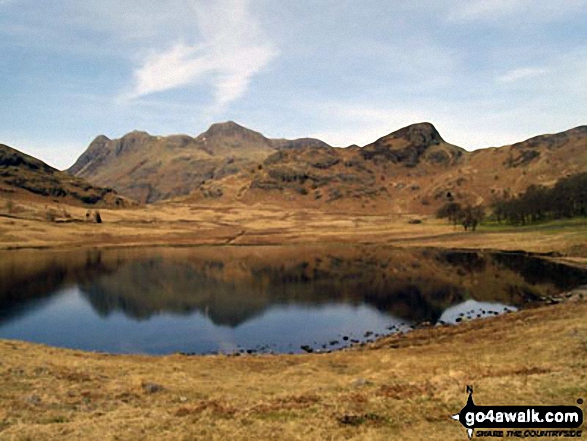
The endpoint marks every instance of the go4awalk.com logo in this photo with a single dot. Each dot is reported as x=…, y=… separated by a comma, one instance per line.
x=546, y=422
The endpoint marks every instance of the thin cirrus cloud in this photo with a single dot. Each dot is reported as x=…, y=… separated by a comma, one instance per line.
x=515, y=75
x=231, y=52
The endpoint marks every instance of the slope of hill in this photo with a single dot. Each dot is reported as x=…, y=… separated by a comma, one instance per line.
x=410, y=170
x=150, y=168
x=24, y=175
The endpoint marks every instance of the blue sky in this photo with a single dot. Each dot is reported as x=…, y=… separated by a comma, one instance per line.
x=485, y=72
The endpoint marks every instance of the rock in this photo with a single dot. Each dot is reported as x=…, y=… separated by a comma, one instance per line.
x=33, y=399
x=152, y=388
x=360, y=382
x=575, y=295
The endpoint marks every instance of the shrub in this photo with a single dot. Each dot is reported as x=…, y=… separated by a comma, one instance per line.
x=51, y=215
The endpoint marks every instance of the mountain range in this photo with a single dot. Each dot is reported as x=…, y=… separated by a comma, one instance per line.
x=151, y=168
x=410, y=170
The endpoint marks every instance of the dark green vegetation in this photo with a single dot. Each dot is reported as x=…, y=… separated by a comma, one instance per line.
x=567, y=199
x=468, y=216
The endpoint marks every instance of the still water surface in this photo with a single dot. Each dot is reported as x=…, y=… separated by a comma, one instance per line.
x=262, y=299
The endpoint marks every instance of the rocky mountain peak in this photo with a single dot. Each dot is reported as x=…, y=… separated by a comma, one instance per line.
x=230, y=129
x=100, y=139
x=420, y=134
x=411, y=144
x=99, y=143
x=137, y=134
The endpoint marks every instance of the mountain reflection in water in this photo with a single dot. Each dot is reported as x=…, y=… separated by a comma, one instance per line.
x=236, y=291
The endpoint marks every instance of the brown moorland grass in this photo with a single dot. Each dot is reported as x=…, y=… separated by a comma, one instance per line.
x=185, y=224
x=402, y=387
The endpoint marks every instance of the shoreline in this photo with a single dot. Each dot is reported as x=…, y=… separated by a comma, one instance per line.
x=578, y=294
x=398, y=387
x=553, y=256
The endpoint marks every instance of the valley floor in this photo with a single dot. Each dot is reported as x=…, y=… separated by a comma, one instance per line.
x=186, y=225
x=403, y=387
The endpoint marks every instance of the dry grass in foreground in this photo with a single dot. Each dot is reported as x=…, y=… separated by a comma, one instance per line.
x=401, y=388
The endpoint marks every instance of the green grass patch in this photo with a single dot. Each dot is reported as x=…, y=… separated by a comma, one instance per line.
x=556, y=224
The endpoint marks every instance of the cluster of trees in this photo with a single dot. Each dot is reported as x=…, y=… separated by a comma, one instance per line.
x=568, y=198
x=468, y=216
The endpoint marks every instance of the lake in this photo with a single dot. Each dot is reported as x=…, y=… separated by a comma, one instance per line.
x=283, y=299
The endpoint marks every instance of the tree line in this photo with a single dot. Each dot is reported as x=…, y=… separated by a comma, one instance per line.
x=566, y=199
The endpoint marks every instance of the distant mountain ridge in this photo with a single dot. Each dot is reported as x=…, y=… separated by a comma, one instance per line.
x=410, y=170
x=151, y=168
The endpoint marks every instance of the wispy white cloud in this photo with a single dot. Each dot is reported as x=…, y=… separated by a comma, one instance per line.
x=520, y=74
x=175, y=67
x=231, y=52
